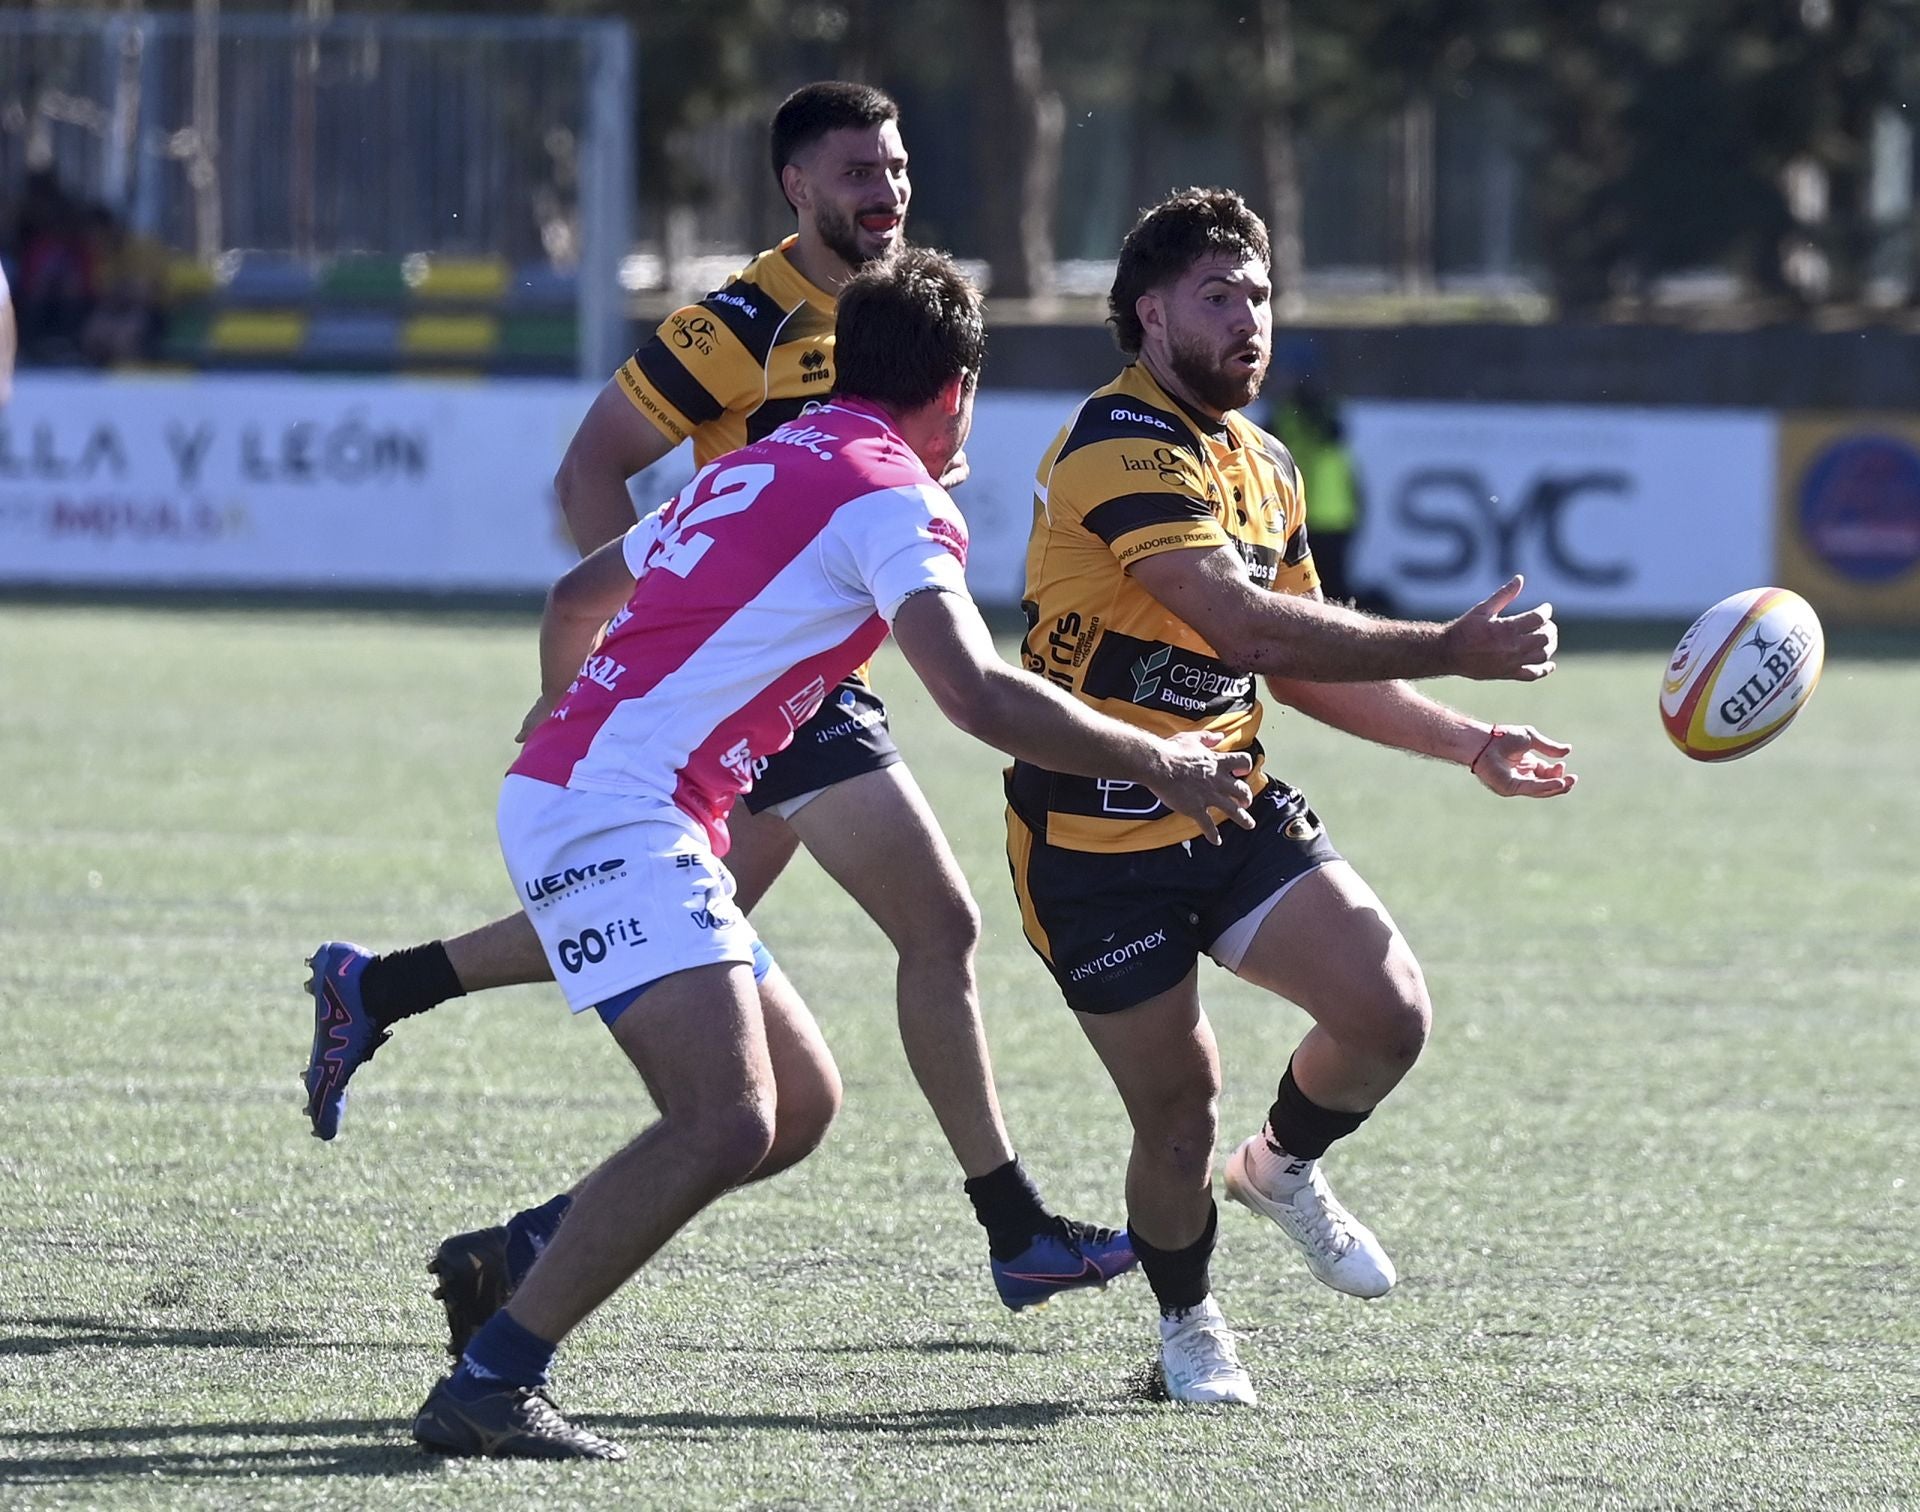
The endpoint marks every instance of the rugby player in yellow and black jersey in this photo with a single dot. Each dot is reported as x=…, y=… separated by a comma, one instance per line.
x=724, y=372
x=1170, y=568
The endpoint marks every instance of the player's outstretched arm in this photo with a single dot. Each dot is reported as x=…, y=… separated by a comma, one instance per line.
x=614, y=442
x=1292, y=636
x=578, y=608
x=1515, y=761
x=948, y=645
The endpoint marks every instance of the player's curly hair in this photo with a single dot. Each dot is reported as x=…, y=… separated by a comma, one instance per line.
x=907, y=326
x=1171, y=237
x=813, y=110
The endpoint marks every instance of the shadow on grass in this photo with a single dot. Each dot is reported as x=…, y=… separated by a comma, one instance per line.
x=331, y=1447
x=112, y=1333
x=924, y=1346
x=998, y=1424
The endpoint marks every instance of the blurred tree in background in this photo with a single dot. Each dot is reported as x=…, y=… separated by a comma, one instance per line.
x=1762, y=148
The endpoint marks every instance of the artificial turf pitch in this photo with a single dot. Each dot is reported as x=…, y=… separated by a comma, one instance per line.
x=1652, y=1190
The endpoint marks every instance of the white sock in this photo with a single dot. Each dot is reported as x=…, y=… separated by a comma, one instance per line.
x=1275, y=1172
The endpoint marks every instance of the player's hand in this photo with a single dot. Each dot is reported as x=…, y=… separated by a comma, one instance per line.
x=1487, y=644
x=1519, y=762
x=536, y=716
x=1200, y=780
x=957, y=471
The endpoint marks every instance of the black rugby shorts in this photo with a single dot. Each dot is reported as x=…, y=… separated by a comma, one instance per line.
x=1116, y=928
x=846, y=737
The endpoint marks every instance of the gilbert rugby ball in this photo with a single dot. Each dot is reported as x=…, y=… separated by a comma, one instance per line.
x=1741, y=672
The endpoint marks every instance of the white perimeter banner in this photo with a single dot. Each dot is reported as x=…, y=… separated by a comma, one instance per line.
x=270, y=481
x=283, y=481
x=275, y=481
x=1608, y=511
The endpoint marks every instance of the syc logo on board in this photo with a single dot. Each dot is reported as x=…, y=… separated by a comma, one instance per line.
x=1859, y=507
x=1468, y=527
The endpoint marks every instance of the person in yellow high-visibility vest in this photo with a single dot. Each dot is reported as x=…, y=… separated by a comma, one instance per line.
x=1308, y=422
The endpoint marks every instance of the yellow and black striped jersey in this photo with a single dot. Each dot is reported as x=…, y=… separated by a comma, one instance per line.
x=1134, y=474
x=739, y=364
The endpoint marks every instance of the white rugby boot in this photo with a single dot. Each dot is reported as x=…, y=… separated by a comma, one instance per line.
x=1340, y=1250
x=1197, y=1358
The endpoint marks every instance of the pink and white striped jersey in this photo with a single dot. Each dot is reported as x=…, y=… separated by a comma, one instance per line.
x=771, y=576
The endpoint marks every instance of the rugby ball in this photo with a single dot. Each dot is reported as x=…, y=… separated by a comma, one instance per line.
x=1741, y=673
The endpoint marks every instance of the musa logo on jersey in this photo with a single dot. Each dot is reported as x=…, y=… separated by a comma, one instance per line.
x=543, y=890
x=813, y=366
x=1133, y=417
x=591, y=946
x=1119, y=956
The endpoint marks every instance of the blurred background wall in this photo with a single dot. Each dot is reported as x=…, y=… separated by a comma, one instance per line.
x=1694, y=205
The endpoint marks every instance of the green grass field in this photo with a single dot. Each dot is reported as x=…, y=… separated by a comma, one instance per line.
x=1652, y=1190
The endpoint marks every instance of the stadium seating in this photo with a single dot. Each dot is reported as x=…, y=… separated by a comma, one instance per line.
x=368, y=313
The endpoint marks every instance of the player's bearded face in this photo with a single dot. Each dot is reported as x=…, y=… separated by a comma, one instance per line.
x=859, y=189
x=1220, y=332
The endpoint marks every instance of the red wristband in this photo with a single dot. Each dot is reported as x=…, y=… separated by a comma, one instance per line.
x=1492, y=735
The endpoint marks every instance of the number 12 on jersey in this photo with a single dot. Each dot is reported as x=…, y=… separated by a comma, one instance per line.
x=732, y=489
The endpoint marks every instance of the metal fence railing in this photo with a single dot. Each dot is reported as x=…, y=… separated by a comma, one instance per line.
x=395, y=135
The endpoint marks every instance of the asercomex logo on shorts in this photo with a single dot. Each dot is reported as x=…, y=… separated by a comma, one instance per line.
x=1145, y=681
x=1118, y=957
x=542, y=890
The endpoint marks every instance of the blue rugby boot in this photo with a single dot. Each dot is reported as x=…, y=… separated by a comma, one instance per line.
x=1062, y=1257
x=344, y=1036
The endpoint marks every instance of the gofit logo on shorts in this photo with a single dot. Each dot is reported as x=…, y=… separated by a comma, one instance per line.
x=590, y=948
x=1119, y=956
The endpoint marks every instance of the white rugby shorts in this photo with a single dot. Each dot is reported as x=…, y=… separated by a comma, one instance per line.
x=622, y=891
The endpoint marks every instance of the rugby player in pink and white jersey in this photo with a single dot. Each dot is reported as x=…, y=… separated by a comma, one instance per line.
x=778, y=570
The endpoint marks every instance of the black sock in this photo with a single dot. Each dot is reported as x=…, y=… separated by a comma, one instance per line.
x=405, y=982
x=1009, y=1208
x=1303, y=1128
x=1179, y=1277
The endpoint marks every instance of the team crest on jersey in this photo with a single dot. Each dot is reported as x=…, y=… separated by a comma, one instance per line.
x=802, y=706
x=950, y=536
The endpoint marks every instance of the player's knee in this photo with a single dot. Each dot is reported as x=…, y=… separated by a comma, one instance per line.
x=964, y=927
x=1182, y=1126
x=733, y=1135
x=946, y=931
x=1400, y=1014
x=808, y=1106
